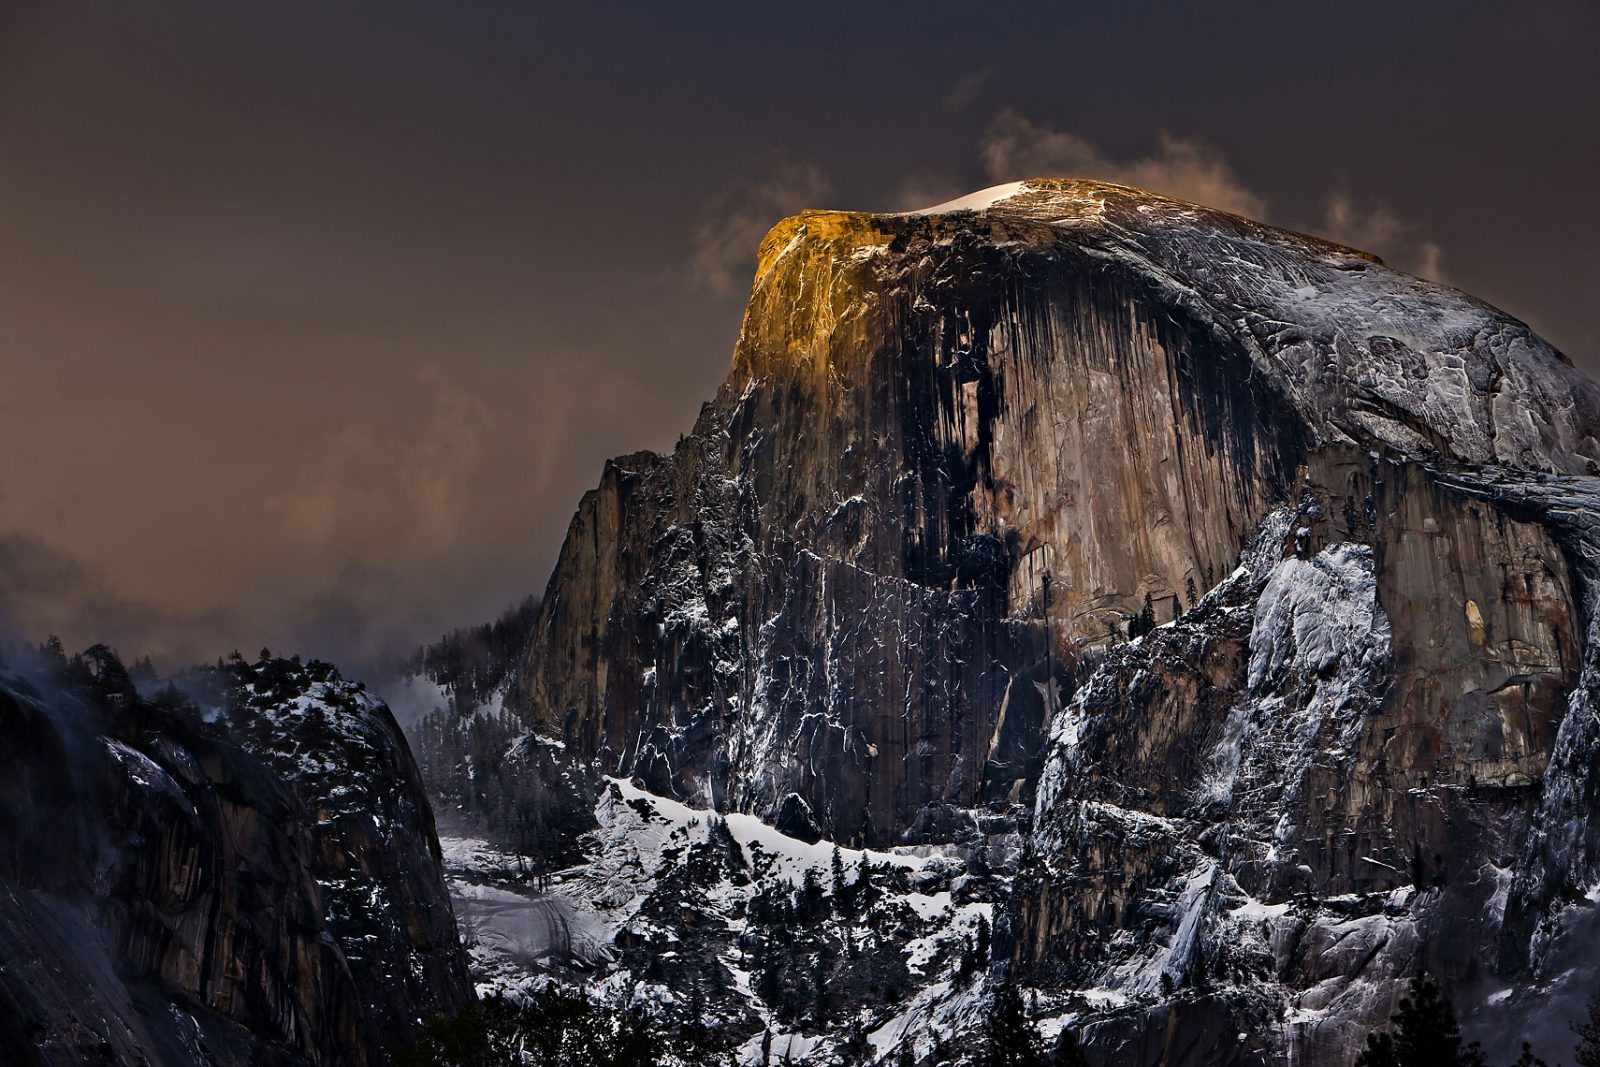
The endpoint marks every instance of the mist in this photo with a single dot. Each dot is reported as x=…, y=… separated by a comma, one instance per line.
x=315, y=324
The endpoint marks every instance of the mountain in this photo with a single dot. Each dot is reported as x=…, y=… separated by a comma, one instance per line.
x=1078, y=610
x=1209, y=607
x=249, y=880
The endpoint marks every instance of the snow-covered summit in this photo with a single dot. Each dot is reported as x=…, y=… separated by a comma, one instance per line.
x=1363, y=352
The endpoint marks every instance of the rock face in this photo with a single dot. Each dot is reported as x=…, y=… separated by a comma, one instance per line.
x=256, y=886
x=890, y=576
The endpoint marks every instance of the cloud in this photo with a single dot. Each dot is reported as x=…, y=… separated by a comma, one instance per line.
x=1378, y=229
x=737, y=218
x=44, y=591
x=1015, y=147
x=967, y=90
x=924, y=189
x=360, y=616
x=376, y=491
x=404, y=520
x=370, y=548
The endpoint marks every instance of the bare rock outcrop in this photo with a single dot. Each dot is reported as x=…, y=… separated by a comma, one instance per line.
x=239, y=886
x=891, y=577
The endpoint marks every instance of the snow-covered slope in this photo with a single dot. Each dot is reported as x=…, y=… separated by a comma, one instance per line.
x=690, y=913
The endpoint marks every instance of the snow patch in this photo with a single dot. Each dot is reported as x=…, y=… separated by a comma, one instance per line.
x=981, y=200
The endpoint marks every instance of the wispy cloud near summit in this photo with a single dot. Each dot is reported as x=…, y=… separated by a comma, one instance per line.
x=739, y=216
x=1016, y=147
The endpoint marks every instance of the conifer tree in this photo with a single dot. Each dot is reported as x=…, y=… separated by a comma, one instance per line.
x=1009, y=1036
x=1145, y=621
x=968, y=964
x=143, y=671
x=809, y=906
x=53, y=651
x=862, y=892
x=1423, y=1031
x=1528, y=1059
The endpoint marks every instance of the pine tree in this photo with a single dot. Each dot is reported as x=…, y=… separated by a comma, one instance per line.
x=1145, y=621
x=53, y=652
x=1189, y=592
x=1423, y=1031
x=968, y=965
x=980, y=947
x=1009, y=1037
x=1588, y=1031
x=862, y=892
x=1528, y=1059
x=837, y=885
x=143, y=671
x=809, y=905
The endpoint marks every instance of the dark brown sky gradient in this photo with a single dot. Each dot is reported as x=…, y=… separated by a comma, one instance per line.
x=315, y=323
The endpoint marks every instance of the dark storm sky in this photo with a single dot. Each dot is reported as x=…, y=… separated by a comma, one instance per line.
x=316, y=319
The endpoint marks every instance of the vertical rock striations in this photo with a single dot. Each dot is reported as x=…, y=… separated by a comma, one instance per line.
x=257, y=886
x=892, y=573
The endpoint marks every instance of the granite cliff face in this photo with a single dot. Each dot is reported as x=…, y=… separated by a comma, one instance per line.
x=888, y=582
x=257, y=883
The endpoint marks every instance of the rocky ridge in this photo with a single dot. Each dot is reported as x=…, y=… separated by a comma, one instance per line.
x=254, y=880
x=887, y=584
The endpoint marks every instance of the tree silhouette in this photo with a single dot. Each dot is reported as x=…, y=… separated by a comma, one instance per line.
x=1528, y=1059
x=559, y=1029
x=1009, y=1037
x=1423, y=1033
x=810, y=901
x=1145, y=621
x=53, y=652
